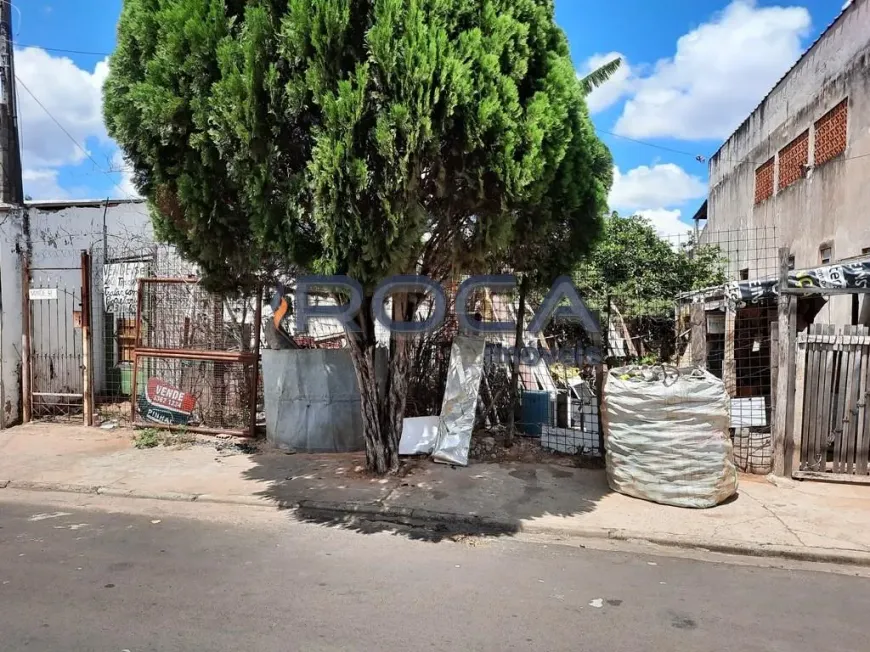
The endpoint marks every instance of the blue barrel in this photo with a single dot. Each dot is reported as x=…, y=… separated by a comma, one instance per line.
x=536, y=412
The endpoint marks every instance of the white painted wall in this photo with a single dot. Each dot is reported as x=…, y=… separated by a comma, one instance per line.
x=59, y=233
x=56, y=233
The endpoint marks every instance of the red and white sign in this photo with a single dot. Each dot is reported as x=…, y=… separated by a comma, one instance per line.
x=163, y=395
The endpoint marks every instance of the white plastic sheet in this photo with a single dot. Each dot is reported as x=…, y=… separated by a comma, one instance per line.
x=666, y=436
x=419, y=435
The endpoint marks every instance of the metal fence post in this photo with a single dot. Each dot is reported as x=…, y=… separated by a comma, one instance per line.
x=137, y=344
x=87, y=349
x=255, y=368
x=699, y=335
x=26, y=369
x=784, y=417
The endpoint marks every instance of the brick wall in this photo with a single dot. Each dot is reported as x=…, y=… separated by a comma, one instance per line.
x=792, y=159
x=831, y=133
x=764, y=182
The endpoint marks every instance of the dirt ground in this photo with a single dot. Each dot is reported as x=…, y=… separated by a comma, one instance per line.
x=489, y=446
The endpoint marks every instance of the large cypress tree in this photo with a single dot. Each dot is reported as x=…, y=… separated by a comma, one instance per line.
x=362, y=137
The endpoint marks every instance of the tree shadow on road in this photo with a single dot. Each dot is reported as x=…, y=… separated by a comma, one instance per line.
x=427, y=501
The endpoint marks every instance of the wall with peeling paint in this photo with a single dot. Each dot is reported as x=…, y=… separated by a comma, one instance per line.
x=55, y=234
x=827, y=206
x=12, y=242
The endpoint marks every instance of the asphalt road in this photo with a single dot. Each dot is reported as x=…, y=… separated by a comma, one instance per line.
x=75, y=579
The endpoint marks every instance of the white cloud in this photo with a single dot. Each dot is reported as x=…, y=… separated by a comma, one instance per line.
x=120, y=164
x=719, y=73
x=42, y=184
x=615, y=88
x=72, y=95
x=659, y=186
x=666, y=222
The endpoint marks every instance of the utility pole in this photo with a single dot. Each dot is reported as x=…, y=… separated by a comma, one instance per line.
x=11, y=185
x=11, y=194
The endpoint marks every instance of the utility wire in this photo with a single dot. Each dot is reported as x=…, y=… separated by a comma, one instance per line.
x=648, y=144
x=699, y=157
x=64, y=51
x=70, y=136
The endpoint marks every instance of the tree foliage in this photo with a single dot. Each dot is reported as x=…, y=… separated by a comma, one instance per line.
x=597, y=77
x=642, y=273
x=363, y=137
x=631, y=269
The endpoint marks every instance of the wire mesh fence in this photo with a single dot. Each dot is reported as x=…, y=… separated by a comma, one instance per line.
x=204, y=395
x=177, y=315
x=556, y=403
x=114, y=282
x=733, y=332
x=196, y=348
x=431, y=360
x=642, y=289
x=174, y=314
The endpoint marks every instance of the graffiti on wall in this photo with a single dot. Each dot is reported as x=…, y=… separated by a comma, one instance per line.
x=120, y=285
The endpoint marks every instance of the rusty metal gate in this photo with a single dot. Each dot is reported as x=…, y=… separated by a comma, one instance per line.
x=832, y=422
x=195, y=361
x=56, y=380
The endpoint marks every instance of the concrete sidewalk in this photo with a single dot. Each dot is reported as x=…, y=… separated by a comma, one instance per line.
x=814, y=521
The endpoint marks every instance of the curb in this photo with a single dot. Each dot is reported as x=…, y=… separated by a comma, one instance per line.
x=58, y=487
x=463, y=523
x=248, y=501
x=132, y=493
x=51, y=487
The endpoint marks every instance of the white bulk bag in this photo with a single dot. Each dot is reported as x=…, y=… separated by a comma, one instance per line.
x=666, y=436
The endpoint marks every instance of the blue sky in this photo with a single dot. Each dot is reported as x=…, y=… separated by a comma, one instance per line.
x=693, y=69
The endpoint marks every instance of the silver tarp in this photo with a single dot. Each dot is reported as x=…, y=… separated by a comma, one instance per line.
x=460, y=400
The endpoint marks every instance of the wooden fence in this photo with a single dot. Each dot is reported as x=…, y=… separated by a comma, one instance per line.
x=832, y=422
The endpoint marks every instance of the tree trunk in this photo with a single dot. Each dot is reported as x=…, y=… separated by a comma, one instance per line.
x=380, y=456
x=515, y=363
x=383, y=410
x=398, y=379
